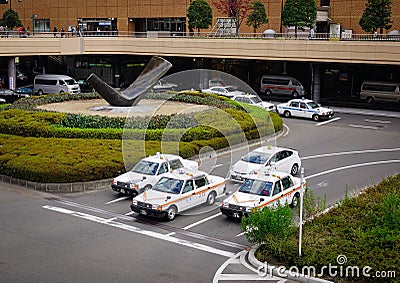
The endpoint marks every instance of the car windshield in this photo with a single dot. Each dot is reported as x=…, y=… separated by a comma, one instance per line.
x=256, y=99
x=168, y=185
x=146, y=167
x=256, y=187
x=70, y=82
x=312, y=104
x=256, y=157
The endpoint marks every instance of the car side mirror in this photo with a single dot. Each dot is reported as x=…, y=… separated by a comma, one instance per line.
x=168, y=197
x=144, y=178
x=261, y=200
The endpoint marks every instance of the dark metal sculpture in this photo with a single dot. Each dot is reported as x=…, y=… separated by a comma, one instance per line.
x=153, y=71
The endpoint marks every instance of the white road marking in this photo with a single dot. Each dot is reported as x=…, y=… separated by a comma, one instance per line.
x=129, y=213
x=240, y=234
x=328, y=121
x=351, y=152
x=377, y=121
x=287, y=131
x=363, y=127
x=218, y=165
x=352, y=166
x=197, y=223
x=134, y=229
x=116, y=200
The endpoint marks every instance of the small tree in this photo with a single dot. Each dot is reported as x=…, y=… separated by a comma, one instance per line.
x=257, y=16
x=377, y=14
x=199, y=15
x=299, y=13
x=236, y=9
x=11, y=19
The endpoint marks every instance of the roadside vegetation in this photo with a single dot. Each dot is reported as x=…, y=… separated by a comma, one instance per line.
x=54, y=147
x=361, y=231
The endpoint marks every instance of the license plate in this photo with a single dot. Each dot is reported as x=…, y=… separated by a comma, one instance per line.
x=236, y=215
x=122, y=191
x=143, y=212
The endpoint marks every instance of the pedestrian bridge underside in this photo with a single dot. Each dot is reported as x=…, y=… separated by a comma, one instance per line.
x=370, y=52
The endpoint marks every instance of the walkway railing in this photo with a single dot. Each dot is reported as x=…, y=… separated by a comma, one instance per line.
x=169, y=34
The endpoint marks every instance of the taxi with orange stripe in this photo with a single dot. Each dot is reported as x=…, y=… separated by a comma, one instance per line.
x=261, y=190
x=178, y=191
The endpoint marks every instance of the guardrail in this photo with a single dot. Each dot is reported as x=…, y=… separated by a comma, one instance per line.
x=169, y=34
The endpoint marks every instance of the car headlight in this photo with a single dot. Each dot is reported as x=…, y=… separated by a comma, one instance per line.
x=134, y=202
x=248, y=209
x=225, y=204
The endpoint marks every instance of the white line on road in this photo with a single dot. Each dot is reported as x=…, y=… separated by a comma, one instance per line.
x=129, y=213
x=353, y=166
x=218, y=165
x=377, y=121
x=287, y=131
x=197, y=223
x=240, y=234
x=328, y=121
x=363, y=127
x=133, y=229
x=116, y=200
x=351, y=152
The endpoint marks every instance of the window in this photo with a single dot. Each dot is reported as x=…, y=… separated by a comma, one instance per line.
x=277, y=188
x=375, y=87
x=325, y=3
x=303, y=105
x=294, y=104
x=287, y=183
x=45, y=82
x=163, y=169
x=175, y=164
x=201, y=182
x=188, y=187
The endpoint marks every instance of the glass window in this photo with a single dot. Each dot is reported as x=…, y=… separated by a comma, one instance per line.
x=256, y=157
x=163, y=168
x=287, y=183
x=294, y=104
x=277, y=188
x=312, y=105
x=188, y=186
x=303, y=105
x=175, y=164
x=168, y=185
x=201, y=182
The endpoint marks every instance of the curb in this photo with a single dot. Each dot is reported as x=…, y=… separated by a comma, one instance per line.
x=58, y=187
x=277, y=270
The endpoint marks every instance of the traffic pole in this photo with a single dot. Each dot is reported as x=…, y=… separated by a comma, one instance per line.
x=301, y=209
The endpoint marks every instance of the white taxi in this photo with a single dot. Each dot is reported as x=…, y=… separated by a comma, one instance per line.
x=267, y=157
x=264, y=189
x=148, y=171
x=178, y=191
x=304, y=108
x=254, y=100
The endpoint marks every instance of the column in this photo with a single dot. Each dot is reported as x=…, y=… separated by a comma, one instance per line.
x=11, y=73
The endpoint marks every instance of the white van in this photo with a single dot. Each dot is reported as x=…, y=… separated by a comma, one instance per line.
x=281, y=85
x=380, y=91
x=46, y=83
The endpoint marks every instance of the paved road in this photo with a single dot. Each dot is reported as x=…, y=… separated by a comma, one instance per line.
x=93, y=236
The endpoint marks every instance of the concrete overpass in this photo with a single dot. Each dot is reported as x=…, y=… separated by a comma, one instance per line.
x=303, y=50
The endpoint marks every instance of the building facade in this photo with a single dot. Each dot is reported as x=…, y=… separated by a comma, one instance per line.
x=139, y=16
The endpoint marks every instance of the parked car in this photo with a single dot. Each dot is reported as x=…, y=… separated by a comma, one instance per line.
x=48, y=83
x=163, y=85
x=266, y=157
x=178, y=191
x=28, y=90
x=304, y=108
x=281, y=85
x=85, y=86
x=254, y=100
x=263, y=190
x=380, y=91
x=10, y=95
x=216, y=82
x=148, y=171
x=2, y=100
x=228, y=91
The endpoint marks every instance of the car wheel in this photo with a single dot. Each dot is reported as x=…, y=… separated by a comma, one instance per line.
x=268, y=92
x=294, y=170
x=40, y=92
x=295, y=94
x=295, y=200
x=171, y=213
x=211, y=198
x=287, y=114
x=315, y=117
x=370, y=99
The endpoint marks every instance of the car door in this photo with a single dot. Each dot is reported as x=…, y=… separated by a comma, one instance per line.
x=188, y=198
x=277, y=193
x=287, y=187
x=201, y=184
x=304, y=110
x=295, y=109
x=283, y=162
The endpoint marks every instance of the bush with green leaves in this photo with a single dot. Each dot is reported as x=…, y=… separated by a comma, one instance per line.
x=365, y=228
